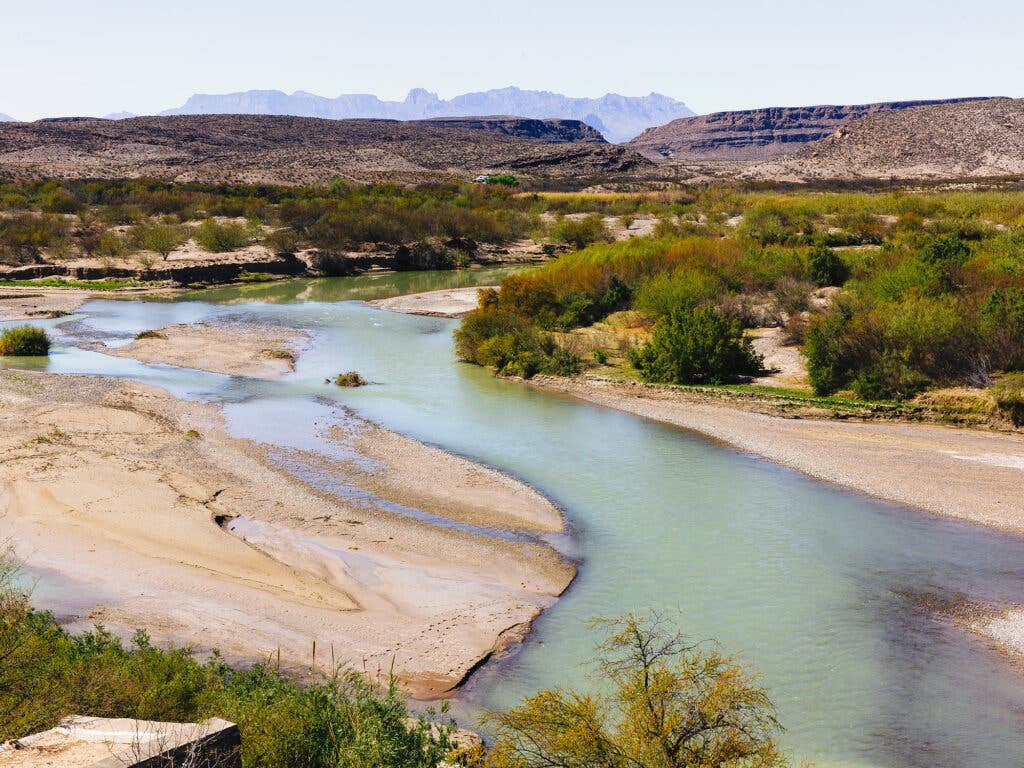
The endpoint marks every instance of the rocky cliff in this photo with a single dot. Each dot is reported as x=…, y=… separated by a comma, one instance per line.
x=965, y=140
x=755, y=134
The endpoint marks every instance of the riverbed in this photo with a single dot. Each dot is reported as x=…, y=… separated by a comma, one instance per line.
x=815, y=587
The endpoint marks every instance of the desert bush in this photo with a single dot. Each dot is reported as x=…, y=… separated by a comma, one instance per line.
x=1002, y=328
x=215, y=237
x=681, y=289
x=283, y=242
x=579, y=233
x=24, y=341
x=824, y=267
x=24, y=236
x=504, y=179
x=157, y=237
x=350, y=379
x=1009, y=397
x=696, y=346
x=341, y=719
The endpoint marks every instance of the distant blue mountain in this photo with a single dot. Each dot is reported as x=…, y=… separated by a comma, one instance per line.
x=6, y=118
x=619, y=118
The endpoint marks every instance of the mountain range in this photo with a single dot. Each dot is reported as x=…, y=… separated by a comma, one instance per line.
x=618, y=118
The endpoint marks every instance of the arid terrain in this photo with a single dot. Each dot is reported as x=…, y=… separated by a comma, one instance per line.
x=298, y=150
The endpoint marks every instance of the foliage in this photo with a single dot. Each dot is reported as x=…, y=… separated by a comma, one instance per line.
x=579, y=233
x=504, y=179
x=343, y=719
x=824, y=267
x=245, y=276
x=157, y=237
x=1009, y=396
x=696, y=346
x=350, y=379
x=24, y=341
x=216, y=237
x=669, y=705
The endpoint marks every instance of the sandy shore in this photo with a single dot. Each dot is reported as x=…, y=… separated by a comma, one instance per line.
x=30, y=303
x=161, y=520
x=448, y=302
x=256, y=350
x=968, y=474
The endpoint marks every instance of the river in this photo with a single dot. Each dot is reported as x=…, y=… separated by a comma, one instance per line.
x=809, y=584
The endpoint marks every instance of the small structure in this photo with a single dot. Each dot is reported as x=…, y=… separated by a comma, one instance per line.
x=97, y=742
x=483, y=178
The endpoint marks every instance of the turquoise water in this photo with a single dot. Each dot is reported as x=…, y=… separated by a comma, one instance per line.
x=806, y=582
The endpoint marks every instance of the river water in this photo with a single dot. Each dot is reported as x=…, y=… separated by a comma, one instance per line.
x=811, y=585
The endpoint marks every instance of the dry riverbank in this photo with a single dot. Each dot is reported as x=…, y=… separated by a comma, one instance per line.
x=256, y=350
x=447, y=302
x=161, y=520
x=969, y=474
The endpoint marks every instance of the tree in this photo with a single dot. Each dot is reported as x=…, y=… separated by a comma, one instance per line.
x=698, y=345
x=670, y=705
x=161, y=238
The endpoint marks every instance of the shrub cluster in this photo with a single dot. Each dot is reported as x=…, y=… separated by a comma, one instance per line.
x=24, y=341
x=48, y=673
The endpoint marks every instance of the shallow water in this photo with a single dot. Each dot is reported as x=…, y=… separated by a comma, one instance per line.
x=804, y=581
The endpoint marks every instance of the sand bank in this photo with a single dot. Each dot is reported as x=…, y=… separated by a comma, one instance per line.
x=256, y=350
x=168, y=523
x=30, y=303
x=448, y=302
x=968, y=474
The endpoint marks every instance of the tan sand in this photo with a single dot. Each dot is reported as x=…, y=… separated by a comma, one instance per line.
x=968, y=474
x=29, y=303
x=447, y=302
x=256, y=350
x=103, y=482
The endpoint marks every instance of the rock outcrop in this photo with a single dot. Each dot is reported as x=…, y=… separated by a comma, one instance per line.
x=755, y=134
x=964, y=140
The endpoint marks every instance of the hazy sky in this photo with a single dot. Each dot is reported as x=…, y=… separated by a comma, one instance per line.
x=59, y=57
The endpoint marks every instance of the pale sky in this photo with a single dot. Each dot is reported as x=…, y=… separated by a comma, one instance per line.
x=59, y=57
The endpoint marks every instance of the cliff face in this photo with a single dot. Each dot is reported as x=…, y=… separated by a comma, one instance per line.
x=756, y=134
x=965, y=140
x=553, y=131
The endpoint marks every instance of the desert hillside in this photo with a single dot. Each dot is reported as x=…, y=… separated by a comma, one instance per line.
x=296, y=150
x=755, y=134
x=977, y=139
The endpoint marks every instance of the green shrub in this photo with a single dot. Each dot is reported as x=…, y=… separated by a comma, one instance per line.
x=24, y=341
x=503, y=179
x=255, y=277
x=579, y=233
x=350, y=379
x=696, y=346
x=824, y=267
x=678, y=290
x=1009, y=396
x=1002, y=328
x=221, y=238
x=890, y=376
x=157, y=237
x=339, y=720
